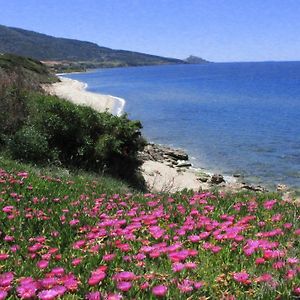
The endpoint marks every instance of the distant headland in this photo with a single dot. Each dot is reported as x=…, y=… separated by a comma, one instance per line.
x=69, y=55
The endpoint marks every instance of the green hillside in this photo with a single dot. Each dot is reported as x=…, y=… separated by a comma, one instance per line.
x=44, y=47
x=27, y=68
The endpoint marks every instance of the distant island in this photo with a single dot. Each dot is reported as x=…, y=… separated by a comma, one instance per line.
x=196, y=60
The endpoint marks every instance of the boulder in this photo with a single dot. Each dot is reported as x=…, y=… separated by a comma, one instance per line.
x=203, y=177
x=281, y=188
x=255, y=188
x=183, y=164
x=217, y=179
x=177, y=154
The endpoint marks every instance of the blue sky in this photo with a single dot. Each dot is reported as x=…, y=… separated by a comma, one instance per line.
x=217, y=30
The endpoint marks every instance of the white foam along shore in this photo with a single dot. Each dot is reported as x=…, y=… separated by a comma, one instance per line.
x=76, y=92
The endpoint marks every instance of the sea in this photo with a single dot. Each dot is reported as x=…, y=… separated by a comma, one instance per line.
x=231, y=118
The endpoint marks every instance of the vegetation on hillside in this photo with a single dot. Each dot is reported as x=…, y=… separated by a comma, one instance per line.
x=44, y=47
x=44, y=129
x=71, y=238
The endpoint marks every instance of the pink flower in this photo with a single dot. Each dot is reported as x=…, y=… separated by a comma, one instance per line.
x=108, y=257
x=124, y=276
x=4, y=256
x=76, y=261
x=60, y=290
x=27, y=290
x=42, y=264
x=3, y=295
x=178, y=267
x=290, y=274
x=296, y=291
x=74, y=222
x=124, y=286
x=190, y=265
x=292, y=260
x=159, y=290
x=47, y=294
x=49, y=282
x=186, y=286
x=241, y=277
x=198, y=284
x=93, y=296
x=23, y=174
x=58, y=271
x=194, y=238
x=269, y=204
x=96, y=278
x=144, y=285
x=8, y=209
x=6, y=279
x=114, y=297
x=260, y=261
x=265, y=278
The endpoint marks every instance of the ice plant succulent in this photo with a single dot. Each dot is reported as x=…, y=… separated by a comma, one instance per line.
x=59, y=240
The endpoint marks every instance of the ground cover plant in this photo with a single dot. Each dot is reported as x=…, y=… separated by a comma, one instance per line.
x=70, y=239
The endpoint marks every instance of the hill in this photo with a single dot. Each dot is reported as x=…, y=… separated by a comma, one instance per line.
x=196, y=60
x=48, y=48
x=29, y=69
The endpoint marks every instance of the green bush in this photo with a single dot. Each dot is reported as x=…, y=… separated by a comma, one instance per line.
x=87, y=139
x=28, y=144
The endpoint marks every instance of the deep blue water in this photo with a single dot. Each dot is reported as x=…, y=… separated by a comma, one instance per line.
x=230, y=117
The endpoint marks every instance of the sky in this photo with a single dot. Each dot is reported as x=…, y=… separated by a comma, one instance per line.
x=216, y=30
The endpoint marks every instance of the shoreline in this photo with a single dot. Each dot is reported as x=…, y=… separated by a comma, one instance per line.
x=163, y=173
x=76, y=92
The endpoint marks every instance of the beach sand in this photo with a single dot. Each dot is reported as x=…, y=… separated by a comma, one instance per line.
x=162, y=178
x=75, y=92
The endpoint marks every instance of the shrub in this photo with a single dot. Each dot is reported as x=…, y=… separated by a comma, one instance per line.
x=28, y=144
x=87, y=139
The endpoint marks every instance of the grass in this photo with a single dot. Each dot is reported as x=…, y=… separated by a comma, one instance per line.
x=80, y=235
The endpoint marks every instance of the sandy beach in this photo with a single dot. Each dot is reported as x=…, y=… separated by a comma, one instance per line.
x=75, y=92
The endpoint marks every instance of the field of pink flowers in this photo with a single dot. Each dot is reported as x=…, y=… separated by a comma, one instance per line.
x=66, y=240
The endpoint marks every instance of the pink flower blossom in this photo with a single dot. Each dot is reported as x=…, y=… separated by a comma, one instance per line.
x=96, y=278
x=124, y=276
x=60, y=290
x=178, y=267
x=109, y=257
x=4, y=256
x=114, y=297
x=241, y=277
x=6, y=279
x=3, y=295
x=159, y=290
x=42, y=264
x=93, y=296
x=124, y=286
x=47, y=294
x=27, y=290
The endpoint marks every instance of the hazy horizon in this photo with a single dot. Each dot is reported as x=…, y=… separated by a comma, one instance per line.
x=216, y=30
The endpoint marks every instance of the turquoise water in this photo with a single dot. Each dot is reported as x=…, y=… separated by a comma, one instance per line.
x=230, y=117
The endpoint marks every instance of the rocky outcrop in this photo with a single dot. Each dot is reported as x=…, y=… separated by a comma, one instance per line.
x=179, y=160
x=171, y=157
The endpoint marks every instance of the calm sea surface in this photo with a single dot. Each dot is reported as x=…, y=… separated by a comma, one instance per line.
x=230, y=117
